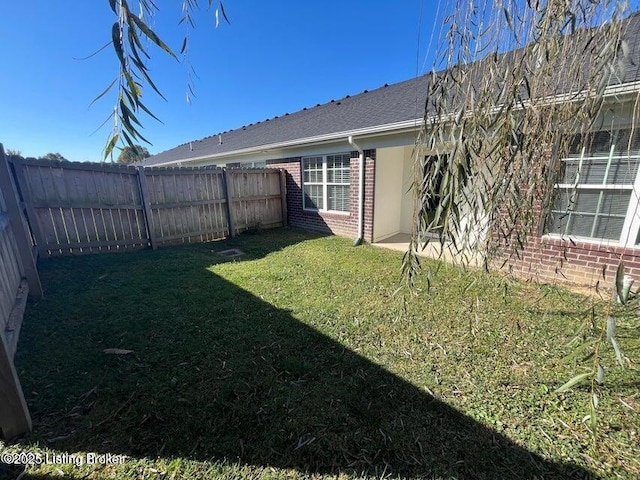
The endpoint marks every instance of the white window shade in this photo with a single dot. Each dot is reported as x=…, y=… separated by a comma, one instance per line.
x=596, y=198
x=593, y=213
x=338, y=198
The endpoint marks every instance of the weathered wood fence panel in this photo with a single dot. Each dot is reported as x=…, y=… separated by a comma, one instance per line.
x=187, y=204
x=10, y=270
x=81, y=207
x=78, y=208
x=18, y=278
x=256, y=199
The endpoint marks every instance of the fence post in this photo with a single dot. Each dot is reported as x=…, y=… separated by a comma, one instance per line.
x=228, y=194
x=19, y=226
x=146, y=207
x=283, y=195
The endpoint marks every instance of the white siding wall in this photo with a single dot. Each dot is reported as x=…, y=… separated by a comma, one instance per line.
x=388, y=192
x=406, y=212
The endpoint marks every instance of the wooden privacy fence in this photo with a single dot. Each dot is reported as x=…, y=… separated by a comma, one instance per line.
x=18, y=278
x=50, y=208
x=76, y=208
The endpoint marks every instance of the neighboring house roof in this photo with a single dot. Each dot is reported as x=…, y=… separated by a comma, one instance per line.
x=400, y=105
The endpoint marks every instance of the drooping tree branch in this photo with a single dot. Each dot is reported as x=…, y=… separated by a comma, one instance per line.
x=513, y=81
x=131, y=37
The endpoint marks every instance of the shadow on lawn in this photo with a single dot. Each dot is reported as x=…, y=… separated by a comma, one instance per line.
x=219, y=374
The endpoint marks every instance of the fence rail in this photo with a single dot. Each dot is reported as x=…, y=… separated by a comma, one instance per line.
x=80, y=208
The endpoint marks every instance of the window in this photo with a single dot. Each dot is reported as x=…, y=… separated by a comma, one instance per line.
x=596, y=189
x=262, y=164
x=326, y=182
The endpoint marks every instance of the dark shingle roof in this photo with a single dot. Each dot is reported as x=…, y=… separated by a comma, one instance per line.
x=388, y=104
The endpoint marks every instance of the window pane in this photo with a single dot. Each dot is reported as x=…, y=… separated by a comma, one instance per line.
x=609, y=227
x=312, y=167
x=558, y=222
x=579, y=201
x=569, y=170
x=563, y=201
x=338, y=198
x=340, y=158
x=625, y=143
x=338, y=175
x=338, y=168
x=607, y=202
x=575, y=148
x=623, y=171
x=615, y=203
x=599, y=142
x=580, y=224
x=313, y=197
x=586, y=201
x=593, y=170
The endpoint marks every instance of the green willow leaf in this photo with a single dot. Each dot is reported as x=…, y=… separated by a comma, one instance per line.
x=600, y=375
x=111, y=143
x=611, y=328
x=224, y=13
x=618, y=352
x=574, y=381
x=106, y=90
x=620, y=283
x=150, y=34
x=117, y=44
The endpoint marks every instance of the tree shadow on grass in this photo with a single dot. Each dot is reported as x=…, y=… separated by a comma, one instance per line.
x=219, y=374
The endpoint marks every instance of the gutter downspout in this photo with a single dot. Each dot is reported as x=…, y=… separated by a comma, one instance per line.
x=360, y=235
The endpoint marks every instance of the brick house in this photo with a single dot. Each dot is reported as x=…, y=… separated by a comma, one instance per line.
x=349, y=172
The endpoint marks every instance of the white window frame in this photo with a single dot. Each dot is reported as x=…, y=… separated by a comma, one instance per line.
x=324, y=184
x=631, y=225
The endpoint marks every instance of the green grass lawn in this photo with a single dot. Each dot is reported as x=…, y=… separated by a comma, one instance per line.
x=296, y=360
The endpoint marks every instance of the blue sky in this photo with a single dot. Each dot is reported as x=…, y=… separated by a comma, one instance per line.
x=275, y=57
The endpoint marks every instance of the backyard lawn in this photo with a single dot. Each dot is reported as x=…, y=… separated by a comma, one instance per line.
x=296, y=360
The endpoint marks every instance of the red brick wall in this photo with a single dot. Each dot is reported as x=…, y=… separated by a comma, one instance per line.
x=551, y=259
x=556, y=260
x=346, y=224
